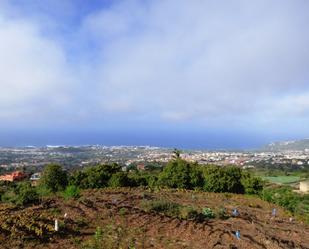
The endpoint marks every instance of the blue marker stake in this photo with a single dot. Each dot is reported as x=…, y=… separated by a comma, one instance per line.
x=274, y=212
x=237, y=234
x=235, y=212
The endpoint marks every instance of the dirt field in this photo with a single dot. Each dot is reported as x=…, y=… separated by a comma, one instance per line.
x=115, y=218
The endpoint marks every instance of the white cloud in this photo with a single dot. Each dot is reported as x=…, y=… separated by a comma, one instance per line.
x=199, y=59
x=34, y=76
x=166, y=60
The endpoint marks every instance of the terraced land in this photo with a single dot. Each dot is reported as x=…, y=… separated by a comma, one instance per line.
x=117, y=218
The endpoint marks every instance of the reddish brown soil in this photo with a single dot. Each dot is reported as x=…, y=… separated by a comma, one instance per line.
x=123, y=207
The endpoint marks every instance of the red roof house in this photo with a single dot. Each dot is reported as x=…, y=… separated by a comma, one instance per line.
x=14, y=176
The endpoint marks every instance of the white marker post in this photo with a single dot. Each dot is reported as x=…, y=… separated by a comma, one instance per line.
x=56, y=225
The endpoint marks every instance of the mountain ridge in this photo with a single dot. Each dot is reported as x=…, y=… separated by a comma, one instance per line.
x=296, y=145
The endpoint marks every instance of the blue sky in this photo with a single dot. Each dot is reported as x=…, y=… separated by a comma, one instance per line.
x=188, y=74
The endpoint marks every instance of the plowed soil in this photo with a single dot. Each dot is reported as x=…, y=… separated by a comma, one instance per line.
x=120, y=213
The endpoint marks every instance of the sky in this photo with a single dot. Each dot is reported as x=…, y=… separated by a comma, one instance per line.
x=174, y=73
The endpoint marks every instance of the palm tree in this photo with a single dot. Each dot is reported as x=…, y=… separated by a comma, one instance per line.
x=176, y=154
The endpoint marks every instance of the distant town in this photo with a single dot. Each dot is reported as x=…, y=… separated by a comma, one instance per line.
x=81, y=156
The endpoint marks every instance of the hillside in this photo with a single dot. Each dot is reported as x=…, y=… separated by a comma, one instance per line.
x=287, y=145
x=121, y=218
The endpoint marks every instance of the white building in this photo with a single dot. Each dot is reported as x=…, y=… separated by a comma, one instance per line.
x=304, y=186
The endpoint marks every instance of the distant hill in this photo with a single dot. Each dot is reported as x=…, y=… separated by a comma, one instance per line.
x=288, y=145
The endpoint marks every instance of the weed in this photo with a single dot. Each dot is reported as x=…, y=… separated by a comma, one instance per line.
x=122, y=211
x=208, y=213
x=162, y=206
x=222, y=213
x=187, y=213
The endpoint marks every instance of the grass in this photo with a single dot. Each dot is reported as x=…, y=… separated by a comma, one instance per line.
x=282, y=179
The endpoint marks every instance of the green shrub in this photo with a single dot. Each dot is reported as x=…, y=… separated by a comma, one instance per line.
x=223, y=179
x=119, y=179
x=162, y=206
x=137, y=179
x=179, y=173
x=284, y=197
x=142, y=179
x=9, y=196
x=54, y=178
x=222, y=213
x=123, y=211
x=208, y=213
x=94, y=177
x=253, y=185
x=43, y=191
x=71, y=191
x=188, y=213
x=21, y=195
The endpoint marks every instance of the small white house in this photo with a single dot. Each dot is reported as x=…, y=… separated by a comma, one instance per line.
x=35, y=177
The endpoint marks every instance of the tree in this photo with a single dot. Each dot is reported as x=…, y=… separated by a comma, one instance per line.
x=176, y=154
x=54, y=178
x=252, y=185
x=179, y=173
x=223, y=179
x=119, y=179
x=94, y=177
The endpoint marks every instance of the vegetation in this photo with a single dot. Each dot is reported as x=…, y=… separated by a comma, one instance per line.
x=111, y=236
x=208, y=213
x=94, y=177
x=54, y=178
x=119, y=179
x=230, y=180
x=21, y=194
x=176, y=210
x=179, y=173
x=252, y=185
x=296, y=204
x=162, y=206
x=71, y=191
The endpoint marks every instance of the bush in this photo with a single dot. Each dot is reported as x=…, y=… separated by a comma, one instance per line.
x=162, y=206
x=208, y=213
x=223, y=179
x=21, y=195
x=137, y=179
x=297, y=204
x=142, y=179
x=283, y=197
x=54, y=178
x=179, y=173
x=43, y=191
x=94, y=177
x=187, y=213
x=9, y=196
x=176, y=210
x=71, y=191
x=119, y=179
x=222, y=213
x=253, y=185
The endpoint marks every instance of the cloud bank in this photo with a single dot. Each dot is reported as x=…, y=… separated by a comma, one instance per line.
x=205, y=63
